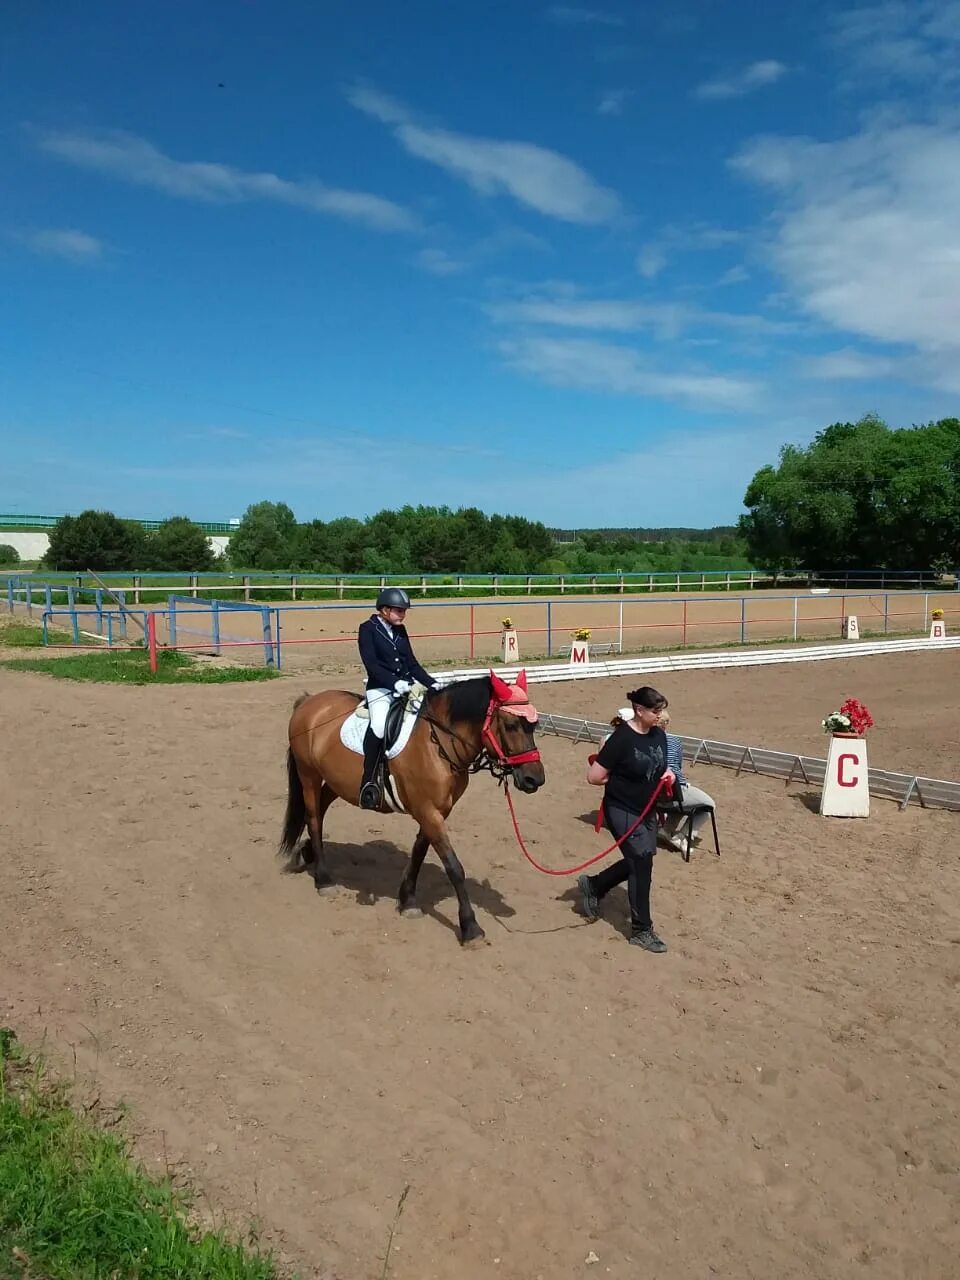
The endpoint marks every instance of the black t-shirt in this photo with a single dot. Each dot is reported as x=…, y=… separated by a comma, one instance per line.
x=635, y=762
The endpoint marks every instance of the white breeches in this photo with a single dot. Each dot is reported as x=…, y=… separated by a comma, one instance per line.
x=378, y=704
x=692, y=796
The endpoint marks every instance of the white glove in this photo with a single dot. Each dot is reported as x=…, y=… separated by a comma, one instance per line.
x=402, y=686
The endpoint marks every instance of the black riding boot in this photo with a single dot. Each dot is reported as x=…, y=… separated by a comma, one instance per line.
x=370, y=797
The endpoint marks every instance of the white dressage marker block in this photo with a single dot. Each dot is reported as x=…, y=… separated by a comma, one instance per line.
x=580, y=653
x=851, y=627
x=938, y=629
x=510, y=646
x=846, y=789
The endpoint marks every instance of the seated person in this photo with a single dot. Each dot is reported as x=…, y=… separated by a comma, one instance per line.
x=392, y=670
x=623, y=716
x=692, y=796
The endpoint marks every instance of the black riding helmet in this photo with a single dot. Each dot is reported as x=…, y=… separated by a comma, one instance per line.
x=393, y=598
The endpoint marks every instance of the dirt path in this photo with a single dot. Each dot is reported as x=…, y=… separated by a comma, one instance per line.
x=777, y=1096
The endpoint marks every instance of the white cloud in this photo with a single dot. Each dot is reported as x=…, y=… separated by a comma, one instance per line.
x=850, y=365
x=694, y=237
x=133, y=159
x=668, y=319
x=651, y=260
x=576, y=313
x=465, y=255
x=756, y=76
x=599, y=366
x=216, y=433
x=52, y=242
x=573, y=16
x=507, y=239
x=867, y=236
x=710, y=469
x=736, y=275
x=613, y=101
x=901, y=39
x=440, y=263
x=378, y=105
x=533, y=175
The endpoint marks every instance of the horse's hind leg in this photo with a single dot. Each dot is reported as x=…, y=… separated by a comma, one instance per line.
x=407, y=897
x=317, y=800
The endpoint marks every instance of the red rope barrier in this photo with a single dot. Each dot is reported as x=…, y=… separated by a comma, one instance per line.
x=572, y=871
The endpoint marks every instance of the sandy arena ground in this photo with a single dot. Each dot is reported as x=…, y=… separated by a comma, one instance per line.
x=775, y=1097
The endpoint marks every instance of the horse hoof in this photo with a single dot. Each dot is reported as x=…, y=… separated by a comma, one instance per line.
x=411, y=913
x=326, y=890
x=478, y=939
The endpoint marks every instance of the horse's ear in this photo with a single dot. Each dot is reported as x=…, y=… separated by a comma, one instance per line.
x=522, y=680
x=501, y=690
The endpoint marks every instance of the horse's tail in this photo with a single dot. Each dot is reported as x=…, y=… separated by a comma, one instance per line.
x=296, y=816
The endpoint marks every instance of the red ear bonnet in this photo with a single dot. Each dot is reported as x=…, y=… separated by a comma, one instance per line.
x=501, y=690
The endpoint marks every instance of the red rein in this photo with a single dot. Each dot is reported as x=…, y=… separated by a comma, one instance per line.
x=572, y=871
x=503, y=696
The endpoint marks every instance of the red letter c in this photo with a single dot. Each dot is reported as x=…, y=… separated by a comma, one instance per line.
x=841, y=761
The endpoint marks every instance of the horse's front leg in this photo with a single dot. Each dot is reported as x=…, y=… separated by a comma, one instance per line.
x=407, y=897
x=470, y=931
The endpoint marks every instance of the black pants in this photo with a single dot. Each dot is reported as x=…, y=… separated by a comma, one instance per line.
x=636, y=865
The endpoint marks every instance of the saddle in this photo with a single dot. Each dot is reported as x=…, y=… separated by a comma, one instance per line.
x=391, y=730
x=402, y=719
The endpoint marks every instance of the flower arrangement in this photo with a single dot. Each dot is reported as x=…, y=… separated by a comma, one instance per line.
x=582, y=633
x=853, y=717
x=506, y=623
x=936, y=613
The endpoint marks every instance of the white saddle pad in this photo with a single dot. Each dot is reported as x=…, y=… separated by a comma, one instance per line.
x=354, y=728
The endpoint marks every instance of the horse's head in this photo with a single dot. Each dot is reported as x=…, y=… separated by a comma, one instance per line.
x=508, y=733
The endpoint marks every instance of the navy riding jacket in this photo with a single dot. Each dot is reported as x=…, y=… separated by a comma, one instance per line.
x=389, y=659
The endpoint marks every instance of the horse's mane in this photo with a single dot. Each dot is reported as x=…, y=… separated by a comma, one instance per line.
x=467, y=700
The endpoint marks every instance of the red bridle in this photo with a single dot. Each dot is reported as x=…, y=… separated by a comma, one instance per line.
x=510, y=698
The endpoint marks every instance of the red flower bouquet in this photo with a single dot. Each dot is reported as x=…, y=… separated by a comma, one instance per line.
x=853, y=717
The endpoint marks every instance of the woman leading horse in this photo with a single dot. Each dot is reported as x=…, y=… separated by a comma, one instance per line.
x=476, y=724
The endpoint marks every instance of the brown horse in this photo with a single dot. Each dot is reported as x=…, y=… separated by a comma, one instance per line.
x=468, y=726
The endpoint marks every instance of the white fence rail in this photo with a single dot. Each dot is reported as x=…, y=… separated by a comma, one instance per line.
x=551, y=673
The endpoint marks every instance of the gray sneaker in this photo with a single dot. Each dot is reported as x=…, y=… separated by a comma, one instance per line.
x=589, y=902
x=649, y=940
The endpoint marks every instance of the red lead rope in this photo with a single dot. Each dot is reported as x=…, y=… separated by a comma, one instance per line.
x=572, y=871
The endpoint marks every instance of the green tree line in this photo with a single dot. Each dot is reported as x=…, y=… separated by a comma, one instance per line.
x=434, y=540
x=440, y=540
x=860, y=495
x=101, y=540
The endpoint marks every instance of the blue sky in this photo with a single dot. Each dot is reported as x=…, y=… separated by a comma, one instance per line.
x=591, y=264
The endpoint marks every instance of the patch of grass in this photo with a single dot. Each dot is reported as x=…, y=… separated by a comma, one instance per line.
x=75, y=1206
x=24, y=635
x=132, y=666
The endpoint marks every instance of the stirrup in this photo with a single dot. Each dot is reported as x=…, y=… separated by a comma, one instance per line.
x=370, y=797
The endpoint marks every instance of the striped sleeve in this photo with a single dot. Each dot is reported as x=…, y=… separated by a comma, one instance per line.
x=675, y=756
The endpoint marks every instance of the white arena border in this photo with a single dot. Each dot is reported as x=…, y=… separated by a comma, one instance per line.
x=939, y=793
x=929, y=793
x=719, y=659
